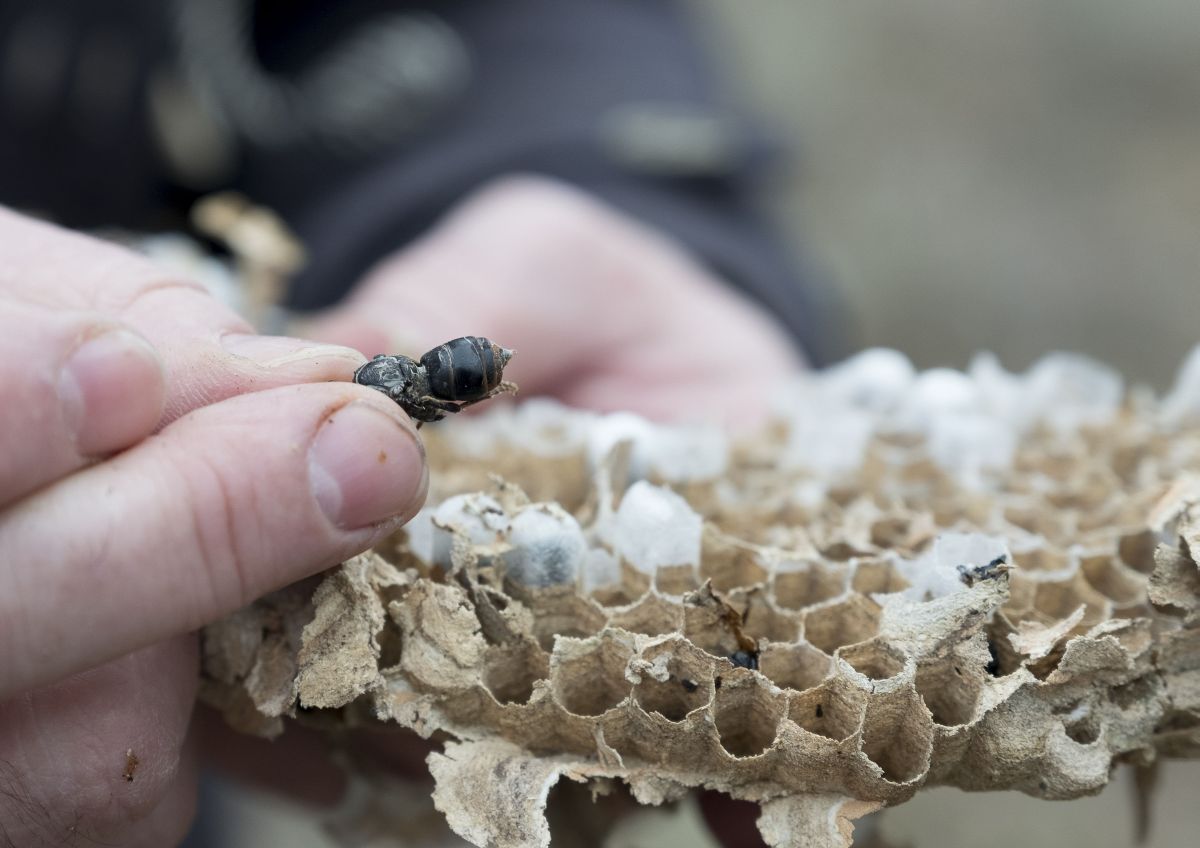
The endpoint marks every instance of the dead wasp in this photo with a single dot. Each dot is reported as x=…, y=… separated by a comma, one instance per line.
x=446, y=379
x=971, y=574
x=745, y=659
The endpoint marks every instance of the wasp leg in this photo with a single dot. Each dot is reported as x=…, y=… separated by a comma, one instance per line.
x=502, y=389
x=419, y=411
x=451, y=406
x=397, y=391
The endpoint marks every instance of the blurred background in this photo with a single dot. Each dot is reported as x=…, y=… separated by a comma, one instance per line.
x=973, y=175
x=1020, y=177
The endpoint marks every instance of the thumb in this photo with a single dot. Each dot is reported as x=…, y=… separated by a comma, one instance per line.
x=229, y=502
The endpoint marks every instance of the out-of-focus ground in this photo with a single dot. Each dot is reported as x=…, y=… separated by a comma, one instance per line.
x=936, y=818
x=1014, y=176
x=1010, y=176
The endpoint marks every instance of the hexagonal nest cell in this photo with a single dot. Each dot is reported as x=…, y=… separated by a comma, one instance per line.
x=984, y=580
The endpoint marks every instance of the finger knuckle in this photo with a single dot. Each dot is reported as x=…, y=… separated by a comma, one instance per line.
x=553, y=210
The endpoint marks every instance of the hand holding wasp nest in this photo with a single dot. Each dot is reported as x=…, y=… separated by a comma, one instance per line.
x=607, y=315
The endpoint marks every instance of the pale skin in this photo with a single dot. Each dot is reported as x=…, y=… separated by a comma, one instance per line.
x=603, y=312
x=162, y=465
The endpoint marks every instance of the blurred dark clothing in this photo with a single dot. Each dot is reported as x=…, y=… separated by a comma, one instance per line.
x=362, y=121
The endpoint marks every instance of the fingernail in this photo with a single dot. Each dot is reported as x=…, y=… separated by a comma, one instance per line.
x=111, y=391
x=278, y=351
x=366, y=466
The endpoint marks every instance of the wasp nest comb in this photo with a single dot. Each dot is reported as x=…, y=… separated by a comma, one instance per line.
x=977, y=579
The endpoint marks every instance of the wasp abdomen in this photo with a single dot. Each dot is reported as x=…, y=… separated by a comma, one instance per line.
x=465, y=369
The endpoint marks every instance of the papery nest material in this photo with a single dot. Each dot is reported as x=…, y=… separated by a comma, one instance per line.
x=760, y=620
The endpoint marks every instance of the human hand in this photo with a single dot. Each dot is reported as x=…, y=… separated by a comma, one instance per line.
x=603, y=313
x=161, y=467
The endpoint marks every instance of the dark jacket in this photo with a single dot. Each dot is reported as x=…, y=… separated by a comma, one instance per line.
x=361, y=121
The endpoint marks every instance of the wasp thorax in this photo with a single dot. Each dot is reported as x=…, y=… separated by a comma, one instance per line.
x=468, y=368
x=396, y=373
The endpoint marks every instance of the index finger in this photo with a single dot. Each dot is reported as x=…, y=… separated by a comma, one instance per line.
x=208, y=352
